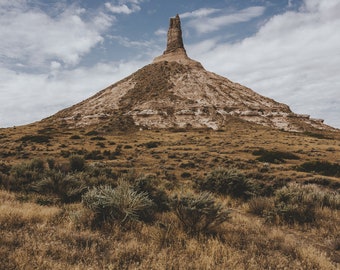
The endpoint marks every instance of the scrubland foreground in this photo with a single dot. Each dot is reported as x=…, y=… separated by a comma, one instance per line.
x=245, y=197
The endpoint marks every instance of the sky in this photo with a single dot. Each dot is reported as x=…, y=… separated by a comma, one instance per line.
x=54, y=54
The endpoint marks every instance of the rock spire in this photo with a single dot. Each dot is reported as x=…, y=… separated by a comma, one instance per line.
x=174, y=38
x=175, y=50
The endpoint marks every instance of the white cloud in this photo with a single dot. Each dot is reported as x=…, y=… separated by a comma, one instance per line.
x=202, y=12
x=161, y=32
x=209, y=24
x=30, y=97
x=33, y=37
x=123, y=6
x=294, y=58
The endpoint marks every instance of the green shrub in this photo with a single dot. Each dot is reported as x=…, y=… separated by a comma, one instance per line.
x=200, y=213
x=92, y=133
x=77, y=163
x=23, y=174
x=94, y=155
x=35, y=138
x=322, y=167
x=69, y=188
x=37, y=164
x=150, y=185
x=121, y=203
x=273, y=156
x=75, y=137
x=296, y=203
x=98, y=138
x=228, y=182
x=151, y=144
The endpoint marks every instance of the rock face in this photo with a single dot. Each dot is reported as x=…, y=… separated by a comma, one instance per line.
x=175, y=40
x=175, y=91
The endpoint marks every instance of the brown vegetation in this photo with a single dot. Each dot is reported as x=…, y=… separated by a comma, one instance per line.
x=258, y=214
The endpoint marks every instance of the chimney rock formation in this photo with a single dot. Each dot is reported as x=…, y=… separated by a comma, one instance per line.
x=175, y=50
x=175, y=40
x=175, y=91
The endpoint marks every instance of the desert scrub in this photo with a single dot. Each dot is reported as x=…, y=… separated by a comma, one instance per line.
x=69, y=188
x=321, y=167
x=199, y=213
x=273, y=156
x=120, y=204
x=295, y=203
x=35, y=138
x=152, y=187
x=77, y=163
x=227, y=182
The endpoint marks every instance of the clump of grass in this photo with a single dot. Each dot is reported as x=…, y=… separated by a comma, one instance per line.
x=322, y=167
x=227, y=182
x=200, y=213
x=77, y=163
x=259, y=205
x=294, y=203
x=121, y=203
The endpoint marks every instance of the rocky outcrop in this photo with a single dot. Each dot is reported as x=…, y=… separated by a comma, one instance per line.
x=175, y=50
x=176, y=91
x=174, y=37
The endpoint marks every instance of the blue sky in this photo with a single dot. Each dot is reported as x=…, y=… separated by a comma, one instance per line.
x=56, y=53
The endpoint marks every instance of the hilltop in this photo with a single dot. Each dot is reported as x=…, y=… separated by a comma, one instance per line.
x=175, y=91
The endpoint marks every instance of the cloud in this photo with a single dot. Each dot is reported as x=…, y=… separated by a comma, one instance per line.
x=202, y=23
x=293, y=58
x=123, y=6
x=161, y=32
x=202, y=12
x=27, y=97
x=34, y=38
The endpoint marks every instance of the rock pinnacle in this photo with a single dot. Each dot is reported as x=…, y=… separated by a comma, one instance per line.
x=175, y=50
x=174, y=38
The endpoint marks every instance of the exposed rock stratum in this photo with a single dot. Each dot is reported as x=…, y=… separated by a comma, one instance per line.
x=175, y=91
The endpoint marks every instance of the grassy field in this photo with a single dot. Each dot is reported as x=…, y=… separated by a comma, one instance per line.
x=245, y=197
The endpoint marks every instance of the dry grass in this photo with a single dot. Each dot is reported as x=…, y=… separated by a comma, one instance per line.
x=36, y=237
x=62, y=236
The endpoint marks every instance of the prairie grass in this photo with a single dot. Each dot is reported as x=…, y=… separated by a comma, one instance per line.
x=63, y=236
x=41, y=237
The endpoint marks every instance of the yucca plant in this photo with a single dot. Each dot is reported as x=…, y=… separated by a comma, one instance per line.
x=121, y=203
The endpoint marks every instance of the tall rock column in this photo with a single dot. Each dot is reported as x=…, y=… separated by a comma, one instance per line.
x=175, y=41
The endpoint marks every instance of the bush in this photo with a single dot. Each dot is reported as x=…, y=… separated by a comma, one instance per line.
x=273, y=156
x=22, y=175
x=151, y=144
x=77, y=163
x=296, y=203
x=121, y=203
x=228, y=182
x=75, y=137
x=69, y=188
x=37, y=165
x=149, y=185
x=259, y=205
x=200, y=213
x=322, y=167
x=35, y=138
